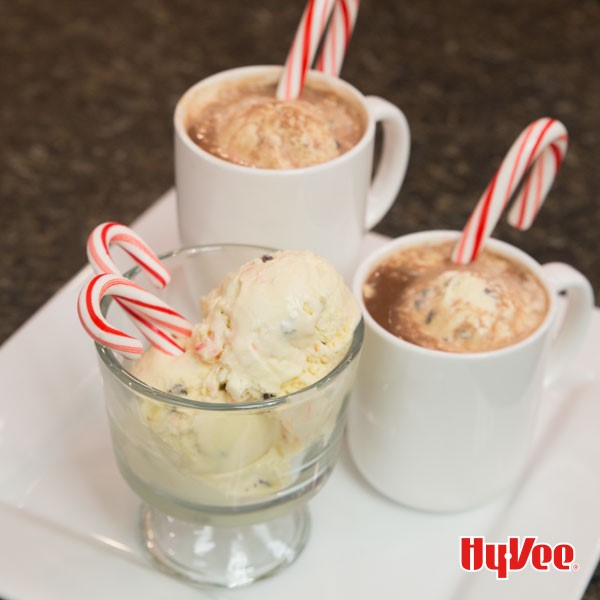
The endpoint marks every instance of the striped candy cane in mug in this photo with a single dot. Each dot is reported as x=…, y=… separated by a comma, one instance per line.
x=538, y=153
x=304, y=47
x=338, y=37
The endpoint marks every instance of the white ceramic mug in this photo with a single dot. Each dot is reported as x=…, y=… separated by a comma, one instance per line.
x=445, y=431
x=326, y=207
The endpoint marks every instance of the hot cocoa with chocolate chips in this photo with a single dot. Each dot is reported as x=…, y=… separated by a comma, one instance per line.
x=421, y=296
x=244, y=123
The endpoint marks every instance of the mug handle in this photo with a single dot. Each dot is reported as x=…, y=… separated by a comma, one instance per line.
x=574, y=325
x=394, y=158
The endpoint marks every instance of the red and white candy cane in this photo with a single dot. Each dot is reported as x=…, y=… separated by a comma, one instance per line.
x=98, y=250
x=107, y=234
x=304, y=47
x=338, y=37
x=152, y=316
x=538, y=151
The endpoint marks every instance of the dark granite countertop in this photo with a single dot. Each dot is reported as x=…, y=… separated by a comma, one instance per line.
x=88, y=91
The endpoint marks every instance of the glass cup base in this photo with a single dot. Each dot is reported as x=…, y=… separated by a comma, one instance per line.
x=223, y=556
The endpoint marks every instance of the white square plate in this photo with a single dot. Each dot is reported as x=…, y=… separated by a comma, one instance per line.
x=68, y=522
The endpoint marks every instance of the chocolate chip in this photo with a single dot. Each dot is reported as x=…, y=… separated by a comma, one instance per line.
x=266, y=257
x=429, y=317
x=287, y=327
x=267, y=396
x=465, y=333
x=420, y=301
x=264, y=482
x=178, y=389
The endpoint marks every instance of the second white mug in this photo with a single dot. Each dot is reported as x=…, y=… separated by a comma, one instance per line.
x=326, y=208
x=445, y=431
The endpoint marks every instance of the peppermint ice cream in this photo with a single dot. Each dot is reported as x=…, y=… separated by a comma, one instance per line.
x=419, y=295
x=277, y=325
x=246, y=124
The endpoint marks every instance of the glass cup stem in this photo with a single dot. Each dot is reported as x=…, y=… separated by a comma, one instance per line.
x=223, y=556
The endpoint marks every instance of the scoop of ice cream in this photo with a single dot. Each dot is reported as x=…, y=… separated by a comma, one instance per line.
x=202, y=442
x=463, y=310
x=186, y=375
x=277, y=325
x=273, y=134
x=210, y=442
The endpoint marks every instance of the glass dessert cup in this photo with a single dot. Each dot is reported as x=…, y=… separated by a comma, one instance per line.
x=224, y=485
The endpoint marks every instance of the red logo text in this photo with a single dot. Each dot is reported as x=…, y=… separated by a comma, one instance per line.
x=514, y=555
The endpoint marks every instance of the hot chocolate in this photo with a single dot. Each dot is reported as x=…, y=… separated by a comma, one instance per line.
x=244, y=123
x=419, y=295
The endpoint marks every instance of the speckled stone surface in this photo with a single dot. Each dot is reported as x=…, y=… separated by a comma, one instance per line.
x=87, y=92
